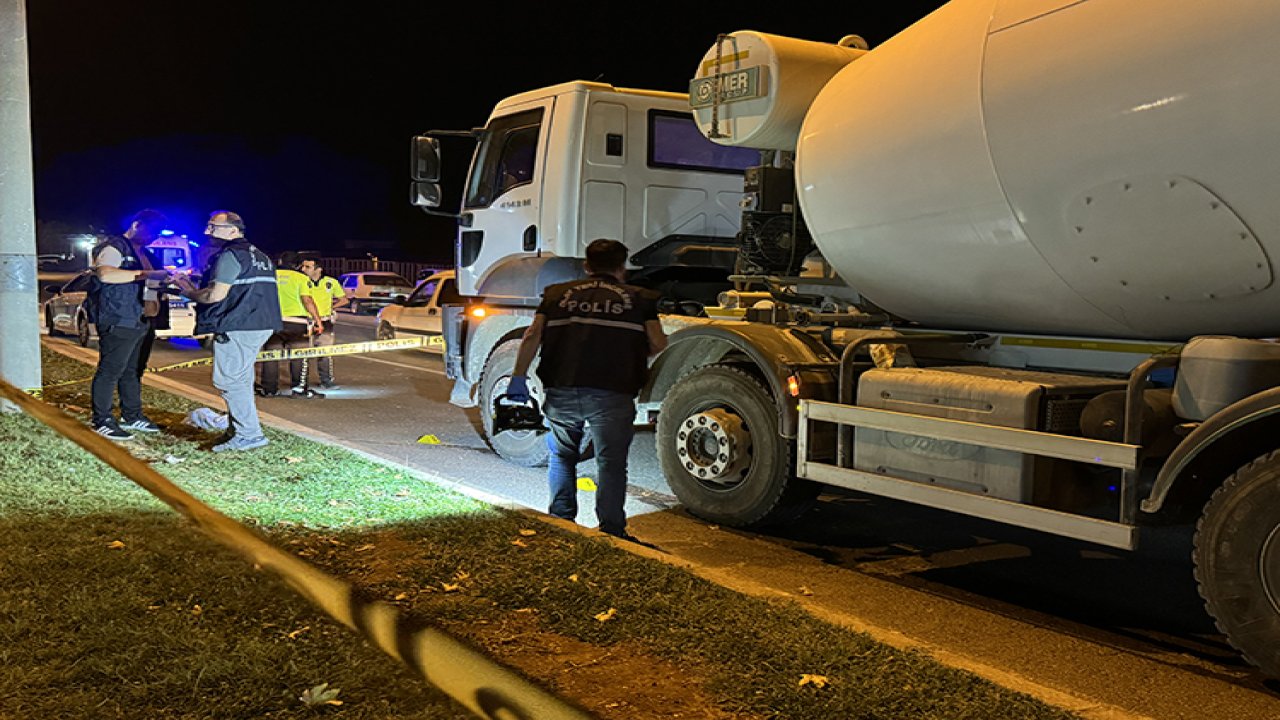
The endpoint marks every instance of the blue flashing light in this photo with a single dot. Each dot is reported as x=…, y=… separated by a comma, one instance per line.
x=193, y=243
x=166, y=233
x=1112, y=488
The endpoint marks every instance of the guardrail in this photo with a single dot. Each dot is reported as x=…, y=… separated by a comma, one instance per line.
x=482, y=685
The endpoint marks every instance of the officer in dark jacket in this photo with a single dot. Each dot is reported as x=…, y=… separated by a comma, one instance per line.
x=237, y=303
x=596, y=337
x=122, y=307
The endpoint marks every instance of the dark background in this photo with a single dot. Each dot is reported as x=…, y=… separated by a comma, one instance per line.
x=299, y=115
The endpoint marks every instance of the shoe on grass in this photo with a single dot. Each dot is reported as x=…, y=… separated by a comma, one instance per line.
x=141, y=424
x=238, y=443
x=112, y=431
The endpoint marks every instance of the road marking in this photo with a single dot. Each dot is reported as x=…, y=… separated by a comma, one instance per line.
x=403, y=365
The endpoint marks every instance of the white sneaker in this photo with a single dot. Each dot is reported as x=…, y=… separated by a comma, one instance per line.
x=241, y=443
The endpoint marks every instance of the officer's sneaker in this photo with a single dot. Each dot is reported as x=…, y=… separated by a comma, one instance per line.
x=330, y=385
x=112, y=431
x=239, y=443
x=141, y=424
x=306, y=392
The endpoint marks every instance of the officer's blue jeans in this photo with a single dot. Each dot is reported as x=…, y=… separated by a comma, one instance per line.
x=611, y=416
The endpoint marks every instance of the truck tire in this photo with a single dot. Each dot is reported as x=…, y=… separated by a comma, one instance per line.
x=526, y=448
x=1237, y=560
x=719, y=448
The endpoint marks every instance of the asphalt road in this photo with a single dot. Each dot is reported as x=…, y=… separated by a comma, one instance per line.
x=1124, y=630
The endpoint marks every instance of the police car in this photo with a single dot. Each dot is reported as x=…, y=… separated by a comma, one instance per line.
x=65, y=312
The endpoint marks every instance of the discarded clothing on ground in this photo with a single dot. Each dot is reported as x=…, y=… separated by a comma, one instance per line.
x=207, y=419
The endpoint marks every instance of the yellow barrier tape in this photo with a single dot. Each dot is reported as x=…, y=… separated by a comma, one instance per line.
x=485, y=687
x=359, y=348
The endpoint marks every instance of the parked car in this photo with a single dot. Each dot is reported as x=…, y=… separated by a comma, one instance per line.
x=65, y=312
x=373, y=289
x=420, y=315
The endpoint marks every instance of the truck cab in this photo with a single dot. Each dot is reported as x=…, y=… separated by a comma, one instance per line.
x=554, y=169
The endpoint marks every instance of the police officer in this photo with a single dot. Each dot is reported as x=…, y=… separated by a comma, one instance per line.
x=596, y=337
x=122, y=307
x=301, y=321
x=329, y=296
x=238, y=304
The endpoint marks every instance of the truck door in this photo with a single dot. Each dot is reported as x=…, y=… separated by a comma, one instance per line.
x=503, y=196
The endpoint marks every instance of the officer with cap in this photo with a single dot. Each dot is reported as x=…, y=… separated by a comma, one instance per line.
x=237, y=304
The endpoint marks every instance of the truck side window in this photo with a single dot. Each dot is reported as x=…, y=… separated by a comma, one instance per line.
x=676, y=143
x=506, y=157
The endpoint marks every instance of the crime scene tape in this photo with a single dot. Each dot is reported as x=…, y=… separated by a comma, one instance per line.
x=359, y=348
x=482, y=685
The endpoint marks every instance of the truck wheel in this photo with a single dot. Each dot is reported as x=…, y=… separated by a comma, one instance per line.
x=1237, y=559
x=519, y=447
x=719, y=447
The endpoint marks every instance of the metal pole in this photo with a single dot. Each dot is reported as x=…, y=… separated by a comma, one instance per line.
x=19, y=325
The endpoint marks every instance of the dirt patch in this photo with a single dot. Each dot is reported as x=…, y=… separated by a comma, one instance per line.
x=619, y=682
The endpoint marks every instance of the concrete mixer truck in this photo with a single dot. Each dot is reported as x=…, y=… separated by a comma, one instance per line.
x=1013, y=263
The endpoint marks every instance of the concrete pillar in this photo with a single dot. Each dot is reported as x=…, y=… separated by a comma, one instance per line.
x=19, y=320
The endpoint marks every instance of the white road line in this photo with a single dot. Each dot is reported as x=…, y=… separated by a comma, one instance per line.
x=403, y=365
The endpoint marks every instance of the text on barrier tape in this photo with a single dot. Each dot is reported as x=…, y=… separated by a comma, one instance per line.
x=359, y=348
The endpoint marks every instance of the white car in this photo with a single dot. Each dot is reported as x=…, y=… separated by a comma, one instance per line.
x=373, y=289
x=421, y=314
x=65, y=312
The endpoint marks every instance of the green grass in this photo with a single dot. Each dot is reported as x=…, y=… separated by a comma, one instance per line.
x=111, y=607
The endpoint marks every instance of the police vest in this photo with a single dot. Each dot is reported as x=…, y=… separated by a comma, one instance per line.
x=595, y=334
x=110, y=304
x=251, y=304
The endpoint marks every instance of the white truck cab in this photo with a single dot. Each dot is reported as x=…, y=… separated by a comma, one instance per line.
x=554, y=169
x=559, y=167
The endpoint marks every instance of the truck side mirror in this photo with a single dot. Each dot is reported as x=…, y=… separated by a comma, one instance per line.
x=425, y=162
x=424, y=194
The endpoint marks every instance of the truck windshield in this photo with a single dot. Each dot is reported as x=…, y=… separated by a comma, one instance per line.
x=675, y=142
x=505, y=158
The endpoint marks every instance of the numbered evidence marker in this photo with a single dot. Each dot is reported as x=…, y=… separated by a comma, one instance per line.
x=429, y=440
x=586, y=484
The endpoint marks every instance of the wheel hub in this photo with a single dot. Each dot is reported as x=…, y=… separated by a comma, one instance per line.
x=713, y=445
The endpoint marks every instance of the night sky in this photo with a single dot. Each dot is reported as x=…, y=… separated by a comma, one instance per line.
x=298, y=115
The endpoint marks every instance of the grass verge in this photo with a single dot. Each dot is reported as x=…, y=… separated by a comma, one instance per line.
x=111, y=607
